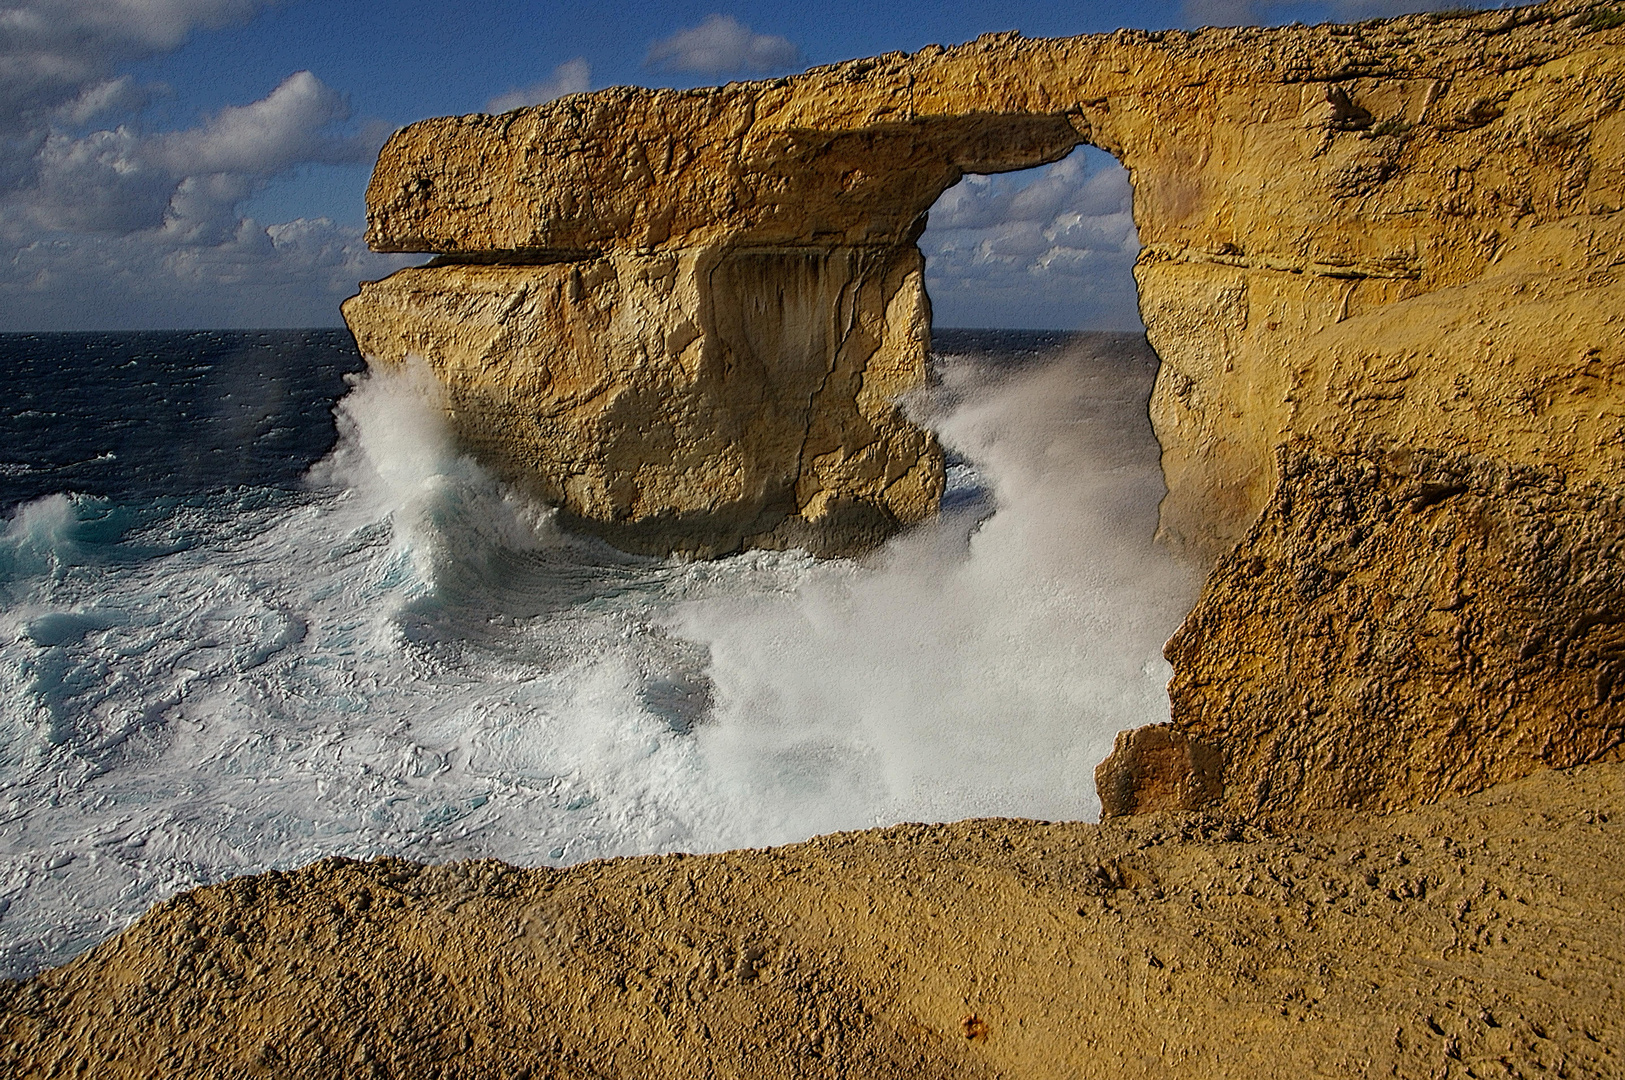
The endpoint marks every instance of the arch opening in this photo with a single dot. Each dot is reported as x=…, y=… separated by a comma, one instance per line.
x=1053, y=468
x=1048, y=248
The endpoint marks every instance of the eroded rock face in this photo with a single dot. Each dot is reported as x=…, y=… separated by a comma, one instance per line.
x=1393, y=631
x=1286, y=182
x=694, y=400
x=1371, y=245
x=686, y=349
x=1154, y=768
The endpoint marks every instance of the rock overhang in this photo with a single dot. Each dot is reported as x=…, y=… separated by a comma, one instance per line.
x=655, y=190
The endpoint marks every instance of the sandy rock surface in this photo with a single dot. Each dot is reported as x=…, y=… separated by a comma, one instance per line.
x=1389, y=635
x=692, y=319
x=1484, y=936
x=694, y=401
x=1352, y=234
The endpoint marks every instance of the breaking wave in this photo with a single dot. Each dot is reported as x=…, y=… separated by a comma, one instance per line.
x=404, y=657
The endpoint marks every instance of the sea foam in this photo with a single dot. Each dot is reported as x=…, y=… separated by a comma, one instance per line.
x=409, y=658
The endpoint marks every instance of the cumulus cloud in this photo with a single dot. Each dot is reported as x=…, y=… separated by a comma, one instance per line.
x=1046, y=248
x=290, y=126
x=52, y=52
x=719, y=45
x=289, y=274
x=121, y=180
x=570, y=77
x=104, y=98
x=107, y=223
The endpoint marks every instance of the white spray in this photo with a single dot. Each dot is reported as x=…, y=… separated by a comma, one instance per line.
x=412, y=660
x=963, y=675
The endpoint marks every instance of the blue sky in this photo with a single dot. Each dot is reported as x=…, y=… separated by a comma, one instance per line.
x=202, y=163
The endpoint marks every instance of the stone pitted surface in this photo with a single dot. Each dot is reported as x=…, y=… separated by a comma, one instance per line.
x=1480, y=937
x=1287, y=181
x=1378, y=248
x=688, y=401
x=1392, y=633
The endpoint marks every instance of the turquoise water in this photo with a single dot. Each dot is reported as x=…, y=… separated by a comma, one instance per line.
x=253, y=614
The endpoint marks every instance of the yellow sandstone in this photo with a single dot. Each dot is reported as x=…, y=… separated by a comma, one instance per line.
x=1380, y=267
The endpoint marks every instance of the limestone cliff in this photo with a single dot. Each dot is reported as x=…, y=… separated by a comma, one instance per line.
x=1383, y=257
x=1287, y=182
x=1386, y=636
x=692, y=400
x=1382, y=272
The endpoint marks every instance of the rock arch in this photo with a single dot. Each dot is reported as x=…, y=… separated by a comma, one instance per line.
x=689, y=343
x=1380, y=265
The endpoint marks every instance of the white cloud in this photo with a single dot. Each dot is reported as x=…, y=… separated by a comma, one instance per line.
x=121, y=226
x=1046, y=248
x=98, y=99
x=570, y=77
x=290, y=274
x=290, y=126
x=53, y=51
x=121, y=180
x=719, y=45
x=95, y=184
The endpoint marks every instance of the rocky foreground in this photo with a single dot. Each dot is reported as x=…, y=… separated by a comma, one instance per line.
x=1482, y=936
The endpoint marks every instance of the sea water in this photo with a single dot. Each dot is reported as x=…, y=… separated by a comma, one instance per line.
x=257, y=609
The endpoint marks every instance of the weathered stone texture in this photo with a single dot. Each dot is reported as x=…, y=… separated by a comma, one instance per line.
x=1402, y=629
x=1154, y=768
x=1388, y=244
x=692, y=400
x=1286, y=181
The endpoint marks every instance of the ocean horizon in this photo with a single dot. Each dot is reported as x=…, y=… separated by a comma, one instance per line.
x=257, y=609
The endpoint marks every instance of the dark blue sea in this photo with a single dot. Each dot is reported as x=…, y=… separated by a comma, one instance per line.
x=257, y=608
